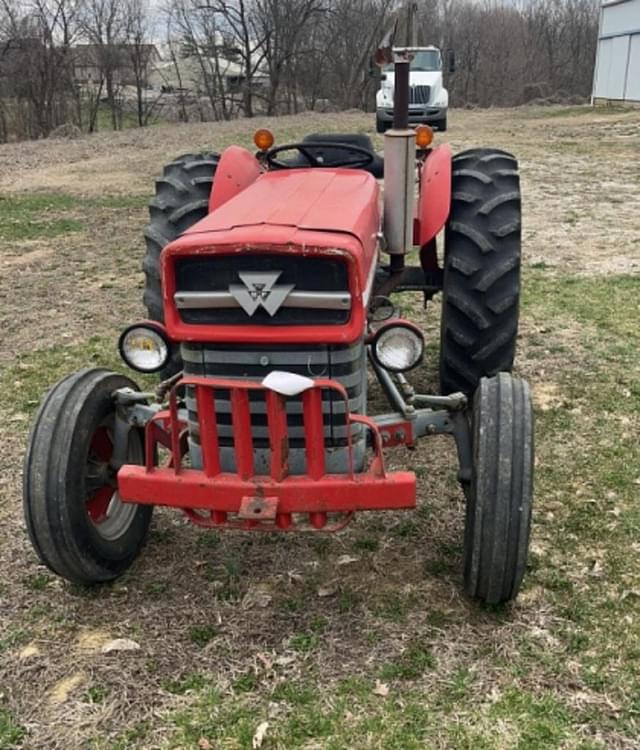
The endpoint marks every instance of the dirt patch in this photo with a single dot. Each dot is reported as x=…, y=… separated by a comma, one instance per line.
x=126, y=162
x=547, y=396
x=72, y=286
x=62, y=690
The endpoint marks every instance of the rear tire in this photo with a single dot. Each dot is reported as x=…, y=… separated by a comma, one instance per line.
x=498, y=516
x=75, y=520
x=181, y=200
x=481, y=288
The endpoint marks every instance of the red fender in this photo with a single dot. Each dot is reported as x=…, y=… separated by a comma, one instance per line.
x=434, y=202
x=237, y=169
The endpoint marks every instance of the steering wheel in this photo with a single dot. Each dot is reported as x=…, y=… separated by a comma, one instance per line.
x=362, y=156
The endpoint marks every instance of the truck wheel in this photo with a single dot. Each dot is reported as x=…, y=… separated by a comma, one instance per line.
x=381, y=125
x=441, y=124
x=481, y=288
x=76, y=522
x=181, y=199
x=498, y=513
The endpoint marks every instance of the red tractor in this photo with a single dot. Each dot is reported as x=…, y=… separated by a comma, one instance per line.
x=268, y=297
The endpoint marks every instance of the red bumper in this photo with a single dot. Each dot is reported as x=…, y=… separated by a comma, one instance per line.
x=213, y=497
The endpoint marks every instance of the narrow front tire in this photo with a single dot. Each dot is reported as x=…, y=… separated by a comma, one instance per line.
x=75, y=519
x=498, y=516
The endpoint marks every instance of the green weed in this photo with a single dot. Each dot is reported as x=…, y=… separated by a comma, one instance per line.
x=10, y=732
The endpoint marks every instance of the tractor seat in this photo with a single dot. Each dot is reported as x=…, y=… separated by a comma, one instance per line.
x=337, y=155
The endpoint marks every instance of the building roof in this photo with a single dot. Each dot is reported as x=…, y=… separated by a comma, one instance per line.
x=90, y=55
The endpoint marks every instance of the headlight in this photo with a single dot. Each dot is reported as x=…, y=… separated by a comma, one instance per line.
x=441, y=100
x=398, y=346
x=144, y=347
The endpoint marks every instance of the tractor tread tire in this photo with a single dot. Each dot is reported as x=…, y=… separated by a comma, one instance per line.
x=481, y=289
x=499, y=500
x=53, y=482
x=182, y=199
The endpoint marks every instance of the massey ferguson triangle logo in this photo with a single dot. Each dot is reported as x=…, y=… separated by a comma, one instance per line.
x=259, y=290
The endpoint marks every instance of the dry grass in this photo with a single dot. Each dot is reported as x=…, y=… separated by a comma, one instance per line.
x=295, y=630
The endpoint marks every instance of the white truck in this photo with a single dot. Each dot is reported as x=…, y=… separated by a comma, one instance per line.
x=428, y=98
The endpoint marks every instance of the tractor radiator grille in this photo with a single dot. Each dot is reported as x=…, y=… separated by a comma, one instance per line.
x=419, y=94
x=346, y=364
x=316, y=290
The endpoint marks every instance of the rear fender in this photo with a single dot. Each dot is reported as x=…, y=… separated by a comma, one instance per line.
x=434, y=202
x=237, y=169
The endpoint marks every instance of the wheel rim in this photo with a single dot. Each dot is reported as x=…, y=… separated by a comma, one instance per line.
x=108, y=515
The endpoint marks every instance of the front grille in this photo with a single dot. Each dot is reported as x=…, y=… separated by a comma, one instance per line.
x=419, y=94
x=346, y=364
x=319, y=294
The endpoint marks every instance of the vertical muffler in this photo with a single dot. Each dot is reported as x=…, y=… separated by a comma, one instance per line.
x=399, y=186
x=399, y=167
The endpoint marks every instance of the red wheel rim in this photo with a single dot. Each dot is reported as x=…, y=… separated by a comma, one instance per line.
x=100, y=452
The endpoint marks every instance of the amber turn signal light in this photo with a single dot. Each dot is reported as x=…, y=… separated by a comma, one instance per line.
x=263, y=139
x=424, y=136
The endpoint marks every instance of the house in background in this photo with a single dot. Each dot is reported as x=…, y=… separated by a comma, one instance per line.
x=90, y=61
x=185, y=69
x=617, y=72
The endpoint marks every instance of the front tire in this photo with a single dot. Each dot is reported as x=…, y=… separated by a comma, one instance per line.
x=77, y=524
x=498, y=516
x=481, y=287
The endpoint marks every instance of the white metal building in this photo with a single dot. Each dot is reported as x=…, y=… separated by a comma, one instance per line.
x=617, y=73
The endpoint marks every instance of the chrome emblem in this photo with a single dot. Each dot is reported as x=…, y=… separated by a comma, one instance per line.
x=259, y=290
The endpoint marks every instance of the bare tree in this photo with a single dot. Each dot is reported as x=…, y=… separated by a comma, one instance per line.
x=181, y=95
x=36, y=62
x=104, y=24
x=237, y=57
x=140, y=53
x=353, y=32
x=286, y=26
x=201, y=41
x=510, y=53
x=244, y=40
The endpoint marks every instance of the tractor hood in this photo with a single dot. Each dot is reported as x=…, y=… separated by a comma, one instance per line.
x=313, y=218
x=326, y=200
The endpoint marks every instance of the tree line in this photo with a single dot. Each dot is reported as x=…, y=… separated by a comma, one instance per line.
x=90, y=64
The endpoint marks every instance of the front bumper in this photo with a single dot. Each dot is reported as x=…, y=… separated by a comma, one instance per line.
x=243, y=499
x=418, y=115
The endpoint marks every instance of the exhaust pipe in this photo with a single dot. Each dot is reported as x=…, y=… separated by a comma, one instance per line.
x=399, y=168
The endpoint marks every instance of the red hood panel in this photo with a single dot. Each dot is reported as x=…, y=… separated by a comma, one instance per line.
x=304, y=211
x=336, y=200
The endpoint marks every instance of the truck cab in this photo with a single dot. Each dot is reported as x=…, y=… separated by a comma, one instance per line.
x=428, y=98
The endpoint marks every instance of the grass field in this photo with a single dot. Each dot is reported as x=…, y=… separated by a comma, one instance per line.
x=363, y=639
